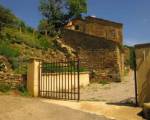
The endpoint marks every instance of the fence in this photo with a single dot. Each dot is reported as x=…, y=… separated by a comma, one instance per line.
x=60, y=80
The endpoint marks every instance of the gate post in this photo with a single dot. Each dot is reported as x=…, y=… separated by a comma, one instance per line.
x=33, y=77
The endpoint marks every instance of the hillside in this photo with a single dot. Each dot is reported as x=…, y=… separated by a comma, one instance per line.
x=19, y=42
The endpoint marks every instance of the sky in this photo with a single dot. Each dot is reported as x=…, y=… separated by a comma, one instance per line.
x=134, y=14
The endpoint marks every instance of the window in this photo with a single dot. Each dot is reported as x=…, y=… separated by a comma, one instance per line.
x=77, y=27
x=113, y=33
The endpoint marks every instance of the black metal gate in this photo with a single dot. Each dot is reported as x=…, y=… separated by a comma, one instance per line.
x=59, y=80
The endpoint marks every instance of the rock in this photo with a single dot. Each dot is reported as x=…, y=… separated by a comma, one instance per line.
x=4, y=65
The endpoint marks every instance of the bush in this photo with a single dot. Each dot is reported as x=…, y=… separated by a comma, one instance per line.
x=44, y=43
x=23, y=90
x=14, y=62
x=5, y=87
x=103, y=82
x=7, y=51
x=52, y=67
x=21, y=70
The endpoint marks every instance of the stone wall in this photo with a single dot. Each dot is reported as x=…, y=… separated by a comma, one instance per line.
x=12, y=79
x=81, y=40
x=101, y=63
x=143, y=72
x=101, y=57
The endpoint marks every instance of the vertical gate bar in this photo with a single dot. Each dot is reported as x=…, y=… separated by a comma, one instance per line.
x=62, y=78
x=55, y=80
x=59, y=79
x=74, y=67
x=42, y=77
x=71, y=76
x=41, y=67
x=39, y=78
x=56, y=77
x=46, y=79
x=51, y=77
x=78, y=63
x=68, y=77
x=65, y=78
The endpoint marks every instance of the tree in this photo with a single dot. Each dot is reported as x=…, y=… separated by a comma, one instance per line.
x=58, y=12
x=76, y=8
x=6, y=17
x=21, y=25
x=52, y=13
x=44, y=27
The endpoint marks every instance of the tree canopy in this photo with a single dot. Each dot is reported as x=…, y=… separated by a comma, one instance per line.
x=6, y=17
x=76, y=7
x=56, y=13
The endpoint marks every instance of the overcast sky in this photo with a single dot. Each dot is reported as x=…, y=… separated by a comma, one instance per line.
x=134, y=14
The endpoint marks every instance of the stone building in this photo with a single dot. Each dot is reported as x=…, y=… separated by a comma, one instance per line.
x=98, y=27
x=98, y=43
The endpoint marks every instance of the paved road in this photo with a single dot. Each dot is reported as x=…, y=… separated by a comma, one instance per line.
x=21, y=108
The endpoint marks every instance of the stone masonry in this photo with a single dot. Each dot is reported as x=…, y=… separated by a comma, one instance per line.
x=101, y=57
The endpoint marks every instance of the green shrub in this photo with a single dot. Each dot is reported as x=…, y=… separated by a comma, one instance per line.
x=52, y=67
x=21, y=70
x=44, y=43
x=7, y=51
x=23, y=90
x=29, y=29
x=103, y=82
x=14, y=62
x=5, y=87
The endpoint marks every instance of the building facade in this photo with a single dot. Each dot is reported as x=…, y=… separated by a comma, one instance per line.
x=98, y=27
x=98, y=43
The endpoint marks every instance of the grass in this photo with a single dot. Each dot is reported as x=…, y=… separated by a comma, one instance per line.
x=33, y=40
x=103, y=82
x=20, y=89
x=7, y=51
x=5, y=87
x=11, y=35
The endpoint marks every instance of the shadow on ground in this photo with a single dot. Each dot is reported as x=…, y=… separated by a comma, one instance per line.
x=127, y=102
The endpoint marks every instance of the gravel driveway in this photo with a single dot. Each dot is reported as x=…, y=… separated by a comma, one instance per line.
x=21, y=108
x=112, y=92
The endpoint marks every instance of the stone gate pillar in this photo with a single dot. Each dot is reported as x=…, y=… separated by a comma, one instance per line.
x=33, y=77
